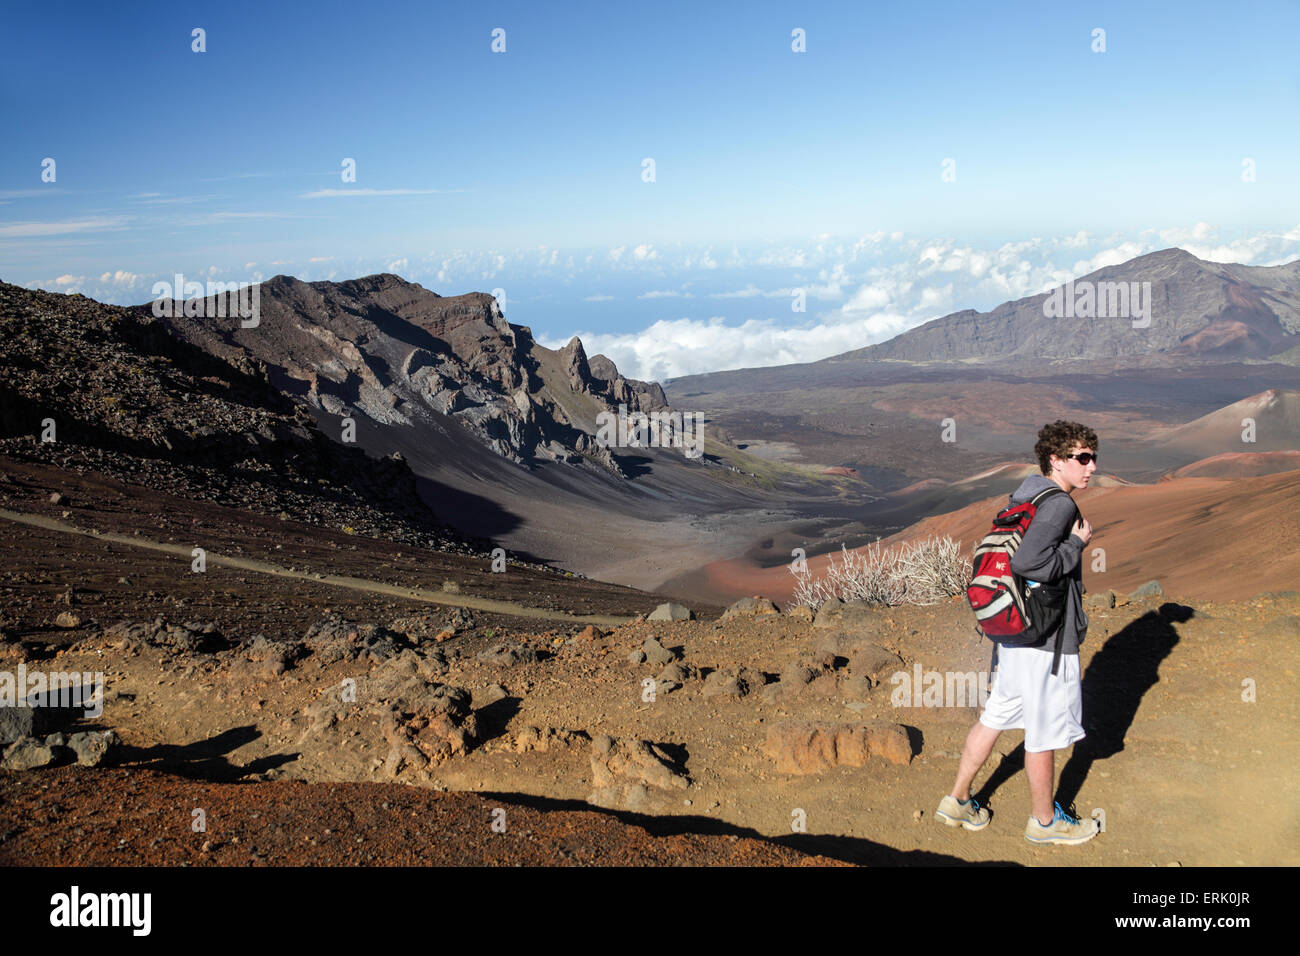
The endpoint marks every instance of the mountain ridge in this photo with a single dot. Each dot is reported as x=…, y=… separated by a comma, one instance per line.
x=401, y=354
x=1199, y=311
x=107, y=390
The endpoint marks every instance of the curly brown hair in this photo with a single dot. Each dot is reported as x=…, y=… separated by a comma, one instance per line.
x=1059, y=439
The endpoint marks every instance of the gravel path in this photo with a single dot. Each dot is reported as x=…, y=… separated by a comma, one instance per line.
x=337, y=580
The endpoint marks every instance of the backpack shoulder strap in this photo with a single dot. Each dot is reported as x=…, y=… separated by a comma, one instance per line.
x=1048, y=492
x=1045, y=493
x=1060, y=634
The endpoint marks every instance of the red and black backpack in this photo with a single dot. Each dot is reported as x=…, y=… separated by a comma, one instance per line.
x=1007, y=611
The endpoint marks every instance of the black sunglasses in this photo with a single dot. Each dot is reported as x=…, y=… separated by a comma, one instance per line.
x=1085, y=457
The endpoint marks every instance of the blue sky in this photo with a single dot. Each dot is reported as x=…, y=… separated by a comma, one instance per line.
x=523, y=170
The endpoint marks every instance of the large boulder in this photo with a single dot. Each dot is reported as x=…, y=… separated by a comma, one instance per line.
x=801, y=747
x=95, y=748
x=623, y=771
x=751, y=607
x=428, y=728
x=18, y=722
x=32, y=754
x=671, y=612
x=420, y=721
x=44, y=712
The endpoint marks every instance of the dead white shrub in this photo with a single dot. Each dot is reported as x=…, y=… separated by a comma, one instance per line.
x=919, y=572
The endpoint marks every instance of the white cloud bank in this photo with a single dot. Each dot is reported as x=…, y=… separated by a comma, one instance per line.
x=858, y=291
x=886, y=284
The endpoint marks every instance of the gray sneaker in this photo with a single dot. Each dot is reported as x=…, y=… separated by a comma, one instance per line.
x=1065, y=829
x=969, y=814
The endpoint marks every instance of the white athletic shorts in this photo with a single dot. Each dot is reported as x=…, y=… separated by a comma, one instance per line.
x=1026, y=695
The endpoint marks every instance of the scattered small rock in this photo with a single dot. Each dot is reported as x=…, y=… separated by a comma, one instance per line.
x=333, y=640
x=1151, y=589
x=544, y=738
x=272, y=658
x=508, y=654
x=653, y=653
x=673, y=676
x=733, y=682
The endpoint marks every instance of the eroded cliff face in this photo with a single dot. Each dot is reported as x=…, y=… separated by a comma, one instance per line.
x=403, y=356
x=107, y=391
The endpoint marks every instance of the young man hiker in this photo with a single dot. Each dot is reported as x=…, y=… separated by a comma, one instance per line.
x=1025, y=693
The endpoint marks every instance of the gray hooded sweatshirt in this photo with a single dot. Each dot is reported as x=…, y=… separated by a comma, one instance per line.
x=1049, y=552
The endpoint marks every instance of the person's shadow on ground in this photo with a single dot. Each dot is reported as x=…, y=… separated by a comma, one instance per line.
x=1117, y=678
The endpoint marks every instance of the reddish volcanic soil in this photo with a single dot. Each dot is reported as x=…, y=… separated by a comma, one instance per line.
x=1241, y=465
x=1215, y=539
x=74, y=817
